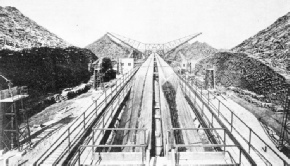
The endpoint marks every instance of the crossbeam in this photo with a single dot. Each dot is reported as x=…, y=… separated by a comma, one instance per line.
x=162, y=49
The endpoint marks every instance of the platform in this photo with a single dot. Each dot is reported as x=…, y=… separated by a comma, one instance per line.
x=13, y=99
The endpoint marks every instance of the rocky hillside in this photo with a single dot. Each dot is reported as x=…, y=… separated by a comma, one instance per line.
x=271, y=46
x=107, y=47
x=194, y=51
x=45, y=69
x=240, y=70
x=18, y=32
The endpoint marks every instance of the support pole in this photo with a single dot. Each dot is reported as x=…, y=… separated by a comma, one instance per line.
x=250, y=138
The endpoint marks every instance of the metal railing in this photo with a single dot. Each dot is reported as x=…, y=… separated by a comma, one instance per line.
x=230, y=119
x=69, y=138
x=216, y=132
x=102, y=120
x=105, y=117
x=146, y=146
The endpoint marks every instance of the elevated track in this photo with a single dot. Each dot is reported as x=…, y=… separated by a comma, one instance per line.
x=153, y=116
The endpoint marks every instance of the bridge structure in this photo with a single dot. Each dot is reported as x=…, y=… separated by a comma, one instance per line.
x=163, y=49
x=155, y=116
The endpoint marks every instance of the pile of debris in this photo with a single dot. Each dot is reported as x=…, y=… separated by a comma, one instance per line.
x=251, y=97
x=67, y=94
x=239, y=70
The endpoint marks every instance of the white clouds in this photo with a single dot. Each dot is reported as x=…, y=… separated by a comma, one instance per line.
x=224, y=23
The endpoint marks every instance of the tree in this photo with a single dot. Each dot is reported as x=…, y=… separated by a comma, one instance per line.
x=106, y=65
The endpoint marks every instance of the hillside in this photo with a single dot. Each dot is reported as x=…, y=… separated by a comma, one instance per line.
x=107, y=47
x=240, y=70
x=271, y=46
x=194, y=51
x=32, y=56
x=19, y=32
x=45, y=69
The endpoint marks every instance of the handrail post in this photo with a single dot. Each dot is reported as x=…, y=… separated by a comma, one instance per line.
x=111, y=94
x=195, y=85
x=172, y=156
x=189, y=90
x=202, y=107
x=207, y=97
x=105, y=95
x=116, y=86
x=219, y=108
x=212, y=120
x=96, y=104
x=144, y=131
x=103, y=123
x=68, y=133
x=123, y=91
x=240, y=159
x=250, y=137
x=93, y=140
x=185, y=87
x=84, y=120
x=231, y=121
x=195, y=97
x=147, y=157
x=225, y=136
x=79, y=156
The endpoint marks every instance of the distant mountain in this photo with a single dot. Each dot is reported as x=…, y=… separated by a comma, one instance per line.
x=18, y=32
x=271, y=45
x=107, y=47
x=194, y=51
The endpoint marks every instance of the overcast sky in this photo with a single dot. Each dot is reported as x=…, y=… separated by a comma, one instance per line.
x=224, y=23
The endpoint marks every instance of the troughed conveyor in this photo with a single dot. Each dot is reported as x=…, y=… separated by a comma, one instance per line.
x=157, y=122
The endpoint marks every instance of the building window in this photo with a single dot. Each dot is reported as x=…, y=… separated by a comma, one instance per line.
x=122, y=64
x=183, y=65
x=129, y=64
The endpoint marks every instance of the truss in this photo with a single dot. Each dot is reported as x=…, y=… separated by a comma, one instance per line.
x=147, y=48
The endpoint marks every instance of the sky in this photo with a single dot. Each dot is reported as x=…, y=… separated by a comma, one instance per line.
x=223, y=23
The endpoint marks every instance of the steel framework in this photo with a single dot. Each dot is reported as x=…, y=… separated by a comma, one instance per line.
x=163, y=49
x=285, y=129
x=14, y=134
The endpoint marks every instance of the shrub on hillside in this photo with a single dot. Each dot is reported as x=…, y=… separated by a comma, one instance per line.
x=46, y=69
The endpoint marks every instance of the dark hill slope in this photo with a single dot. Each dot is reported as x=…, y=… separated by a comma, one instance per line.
x=45, y=69
x=239, y=70
x=271, y=46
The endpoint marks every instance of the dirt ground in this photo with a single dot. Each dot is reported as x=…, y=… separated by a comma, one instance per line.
x=265, y=115
x=49, y=123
